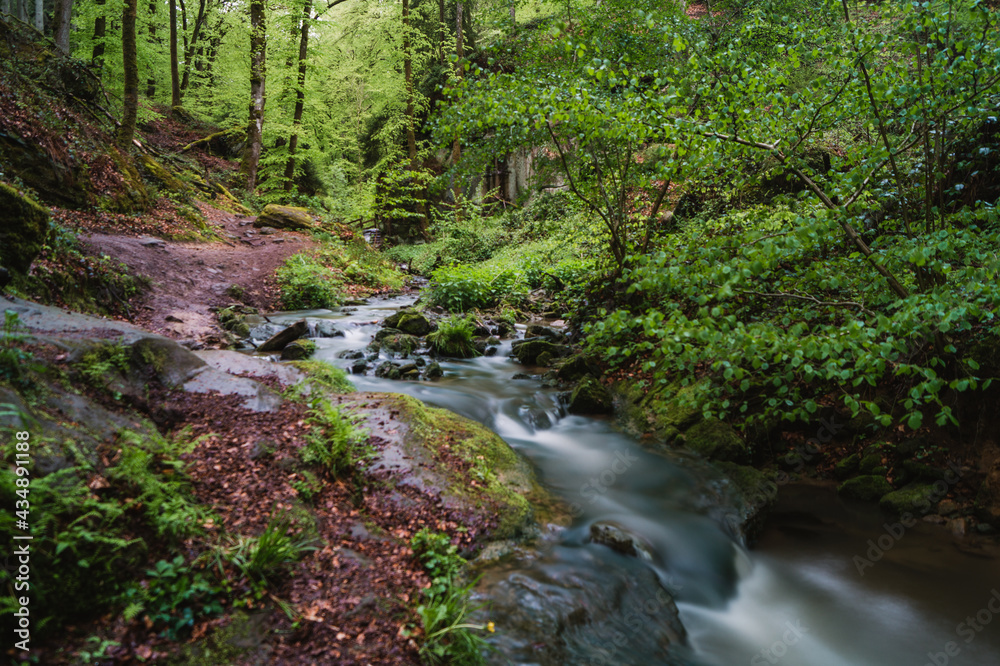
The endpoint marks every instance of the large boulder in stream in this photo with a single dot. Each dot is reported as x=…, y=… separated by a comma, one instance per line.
x=529, y=350
x=410, y=322
x=590, y=397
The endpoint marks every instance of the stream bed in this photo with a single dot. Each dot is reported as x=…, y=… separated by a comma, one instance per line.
x=693, y=594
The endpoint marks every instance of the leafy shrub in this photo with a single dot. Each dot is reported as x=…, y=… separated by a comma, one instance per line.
x=463, y=288
x=306, y=283
x=448, y=638
x=175, y=597
x=453, y=337
x=270, y=554
x=85, y=521
x=333, y=443
x=324, y=375
x=13, y=359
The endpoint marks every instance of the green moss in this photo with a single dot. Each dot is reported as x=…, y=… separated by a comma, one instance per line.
x=325, y=375
x=847, y=466
x=504, y=480
x=916, y=499
x=162, y=175
x=867, y=487
x=24, y=228
x=716, y=440
x=226, y=645
x=297, y=350
x=868, y=464
x=590, y=397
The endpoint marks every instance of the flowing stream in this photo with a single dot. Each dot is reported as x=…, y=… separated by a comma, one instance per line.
x=797, y=598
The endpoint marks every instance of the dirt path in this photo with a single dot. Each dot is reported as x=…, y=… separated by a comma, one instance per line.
x=188, y=279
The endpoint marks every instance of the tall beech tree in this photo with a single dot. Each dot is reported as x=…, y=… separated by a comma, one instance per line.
x=258, y=72
x=131, y=74
x=175, y=80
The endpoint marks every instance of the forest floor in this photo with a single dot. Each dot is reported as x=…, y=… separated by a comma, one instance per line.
x=187, y=280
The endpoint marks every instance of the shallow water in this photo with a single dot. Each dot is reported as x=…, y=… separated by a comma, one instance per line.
x=797, y=598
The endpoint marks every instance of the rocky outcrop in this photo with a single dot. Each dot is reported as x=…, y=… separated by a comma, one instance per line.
x=590, y=397
x=24, y=226
x=535, y=351
x=284, y=217
x=285, y=337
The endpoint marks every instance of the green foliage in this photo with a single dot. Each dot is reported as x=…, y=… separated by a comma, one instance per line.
x=175, y=597
x=99, y=364
x=270, y=554
x=316, y=280
x=323, y=375
x=453, y=337
x=333, y=442
x=65, y=273
x=449, y=638
x=90, y=523
x=13, y=359
x=307, y=283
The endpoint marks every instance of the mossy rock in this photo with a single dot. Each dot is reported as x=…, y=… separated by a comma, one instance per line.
x=298, y=350
x=160, y=174
x=284, y=217
x=418, y=435
x=716, y=440
x=576, y=368
x=869, y=463
x=24, y=228
x=847, y=467
x=528, y=351
x=988, y=498
x=916, y=498
x=415, y=324
x=665, y=412
x=866, y=487
x=399, y=343
x=590, y=397
x=759, y=492
x=923, y=471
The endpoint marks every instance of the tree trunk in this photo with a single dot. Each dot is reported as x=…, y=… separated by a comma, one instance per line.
x=456, y=148
x=175, y=79
x=411, y=139
x=255, y=126
x=40, y=16
x=152, y=41
x=189, y=53
x=100, y=25
x=63, y=16
x=300, y=96
x=442, y=33
x=131, y=67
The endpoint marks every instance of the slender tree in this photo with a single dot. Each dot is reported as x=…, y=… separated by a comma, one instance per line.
x=40, y=15
x=411, y=140
x=100, y=29
x=300, y=95
x=258, y=64
x=456, y=148
x=153, y=41
x=192, y=46
x=131, y=66
x=63, y=16
x=175, y=79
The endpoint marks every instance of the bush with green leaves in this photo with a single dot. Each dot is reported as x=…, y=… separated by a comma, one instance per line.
x=175, y=596
x=306, y=283
x=91, y=523
x=269, y=555
x=453, y=337
x=14, y=359
x=448, y=638
x=334, y=443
